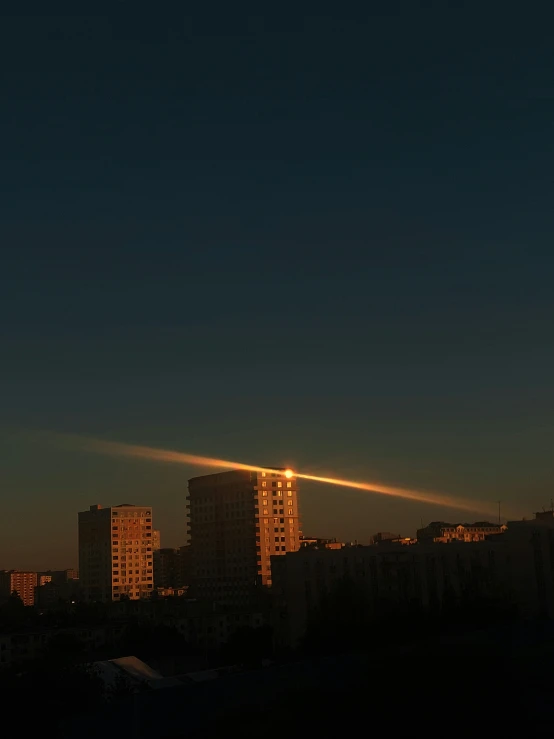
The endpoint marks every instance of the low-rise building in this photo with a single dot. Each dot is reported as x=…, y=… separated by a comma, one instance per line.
x=441, y=532
x=386, y=537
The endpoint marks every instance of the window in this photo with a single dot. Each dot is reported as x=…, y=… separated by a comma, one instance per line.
x=289, y=493
x=275, y=520
x=266, y=520
x=265, y=511
x=264, y=483
x=273, y=484
x=279, y=493
x=264, y=493
x=289, y=485
x=279, y=484
x=263, y=474
x=289, y=502
x=276, y=530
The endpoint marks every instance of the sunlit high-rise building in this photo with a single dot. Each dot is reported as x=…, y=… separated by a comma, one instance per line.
x=238, y=521
x=115, y=552
x=17, y=581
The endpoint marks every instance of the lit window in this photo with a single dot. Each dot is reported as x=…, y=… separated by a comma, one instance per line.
x=290, y=502
x=279, y=484
x=263, y=474
x=289, y=493
x=280, y=493
x=265, y=511
x=264, y=493
x=289, y=485
x=264, y=483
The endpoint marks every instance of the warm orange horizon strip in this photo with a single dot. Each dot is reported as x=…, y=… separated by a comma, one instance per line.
x=164, y=455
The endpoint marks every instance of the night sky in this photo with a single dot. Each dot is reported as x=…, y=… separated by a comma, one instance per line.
x=314, y=237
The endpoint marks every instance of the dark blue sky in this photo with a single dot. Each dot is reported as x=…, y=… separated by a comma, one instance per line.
x=317, y=238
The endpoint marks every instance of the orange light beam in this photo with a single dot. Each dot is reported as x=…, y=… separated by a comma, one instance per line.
x=164, y=455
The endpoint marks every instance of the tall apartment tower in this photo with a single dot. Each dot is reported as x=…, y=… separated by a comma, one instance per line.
x=238, y=521
x=23, y=583
x=115, y=552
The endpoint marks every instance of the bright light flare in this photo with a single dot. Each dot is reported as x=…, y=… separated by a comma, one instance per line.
x=168, y=456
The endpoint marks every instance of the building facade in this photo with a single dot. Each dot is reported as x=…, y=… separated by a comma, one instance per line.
x=445, y=533
x=156, y=540
x=116, y=553
x=238, y=521
x=20, y=582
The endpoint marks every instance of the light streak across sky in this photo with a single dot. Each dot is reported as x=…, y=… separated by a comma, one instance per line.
x=164, y=455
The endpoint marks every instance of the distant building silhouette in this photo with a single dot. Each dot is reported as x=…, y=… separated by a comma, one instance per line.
x=116, y=552
x=445, y=533
x=238, y=520
x=315, y=543
x=18, y=581
x=166, y=568
x=386, y=537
